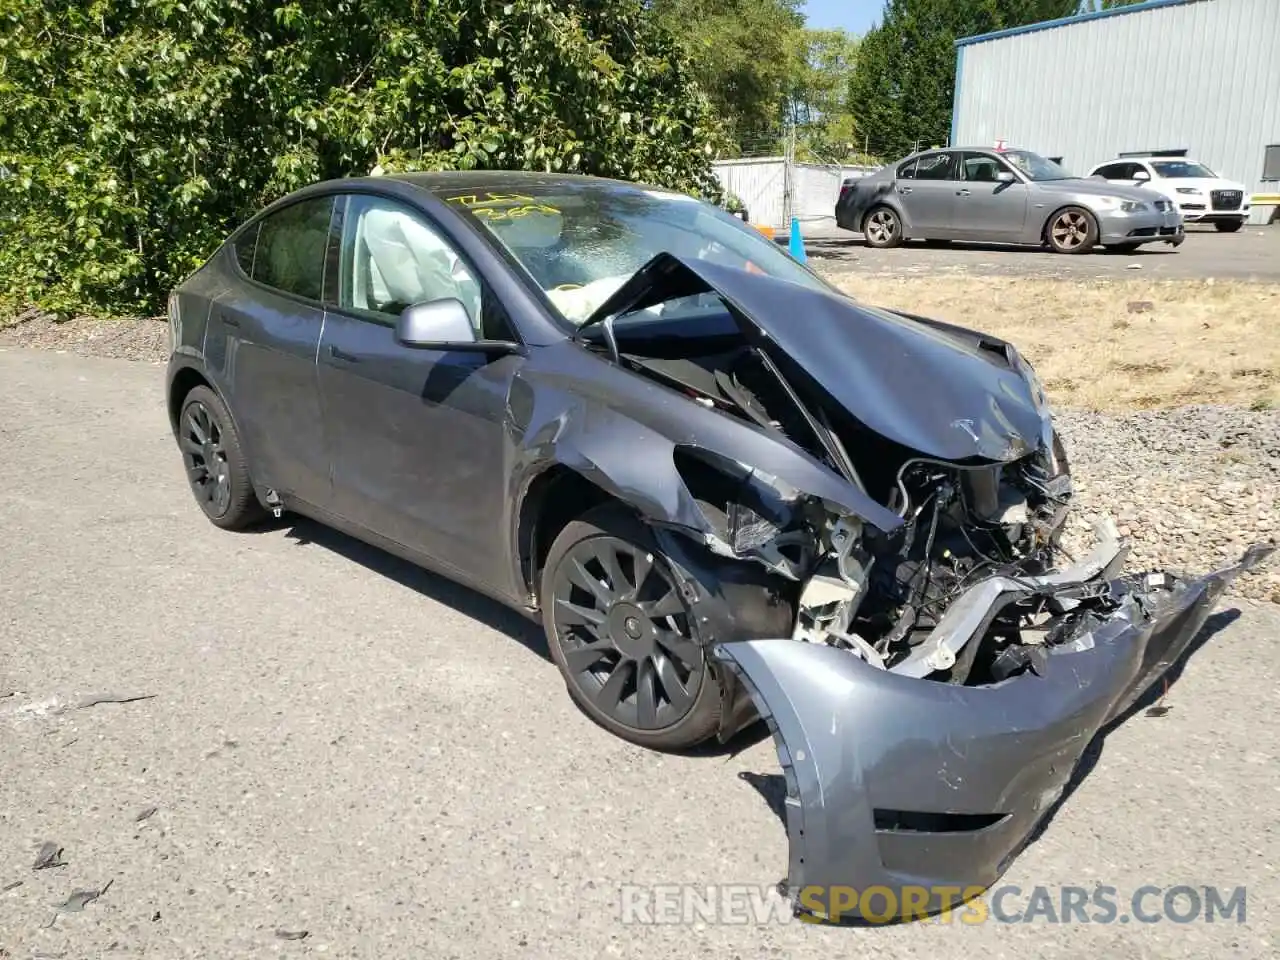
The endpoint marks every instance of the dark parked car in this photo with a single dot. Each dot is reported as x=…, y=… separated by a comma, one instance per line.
x=1002, y=196
x=726, y=489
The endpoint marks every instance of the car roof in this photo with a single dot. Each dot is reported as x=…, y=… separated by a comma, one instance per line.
x=449, y=181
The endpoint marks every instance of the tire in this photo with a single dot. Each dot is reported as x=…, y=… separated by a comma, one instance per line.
x=882, y=228
x=1228, y=226
x=610, y=639
x=216, y=467
x=1071, y=230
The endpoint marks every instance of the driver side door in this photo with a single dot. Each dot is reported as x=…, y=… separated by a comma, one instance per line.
x=417, y=439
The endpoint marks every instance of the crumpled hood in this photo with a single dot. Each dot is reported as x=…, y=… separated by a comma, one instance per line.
x=940, y=390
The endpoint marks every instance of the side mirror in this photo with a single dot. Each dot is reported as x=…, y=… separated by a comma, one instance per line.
x=1141, y=176
x=1005, y=176
x=435, y=325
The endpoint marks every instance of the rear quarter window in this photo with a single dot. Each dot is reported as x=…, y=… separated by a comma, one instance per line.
x=290, y=253
x=244, y=246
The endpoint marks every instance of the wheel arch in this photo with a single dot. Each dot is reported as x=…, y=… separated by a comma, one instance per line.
x=694, y=505
x=555, y=497
x=182, y=382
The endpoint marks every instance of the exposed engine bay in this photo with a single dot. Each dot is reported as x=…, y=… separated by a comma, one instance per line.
x=857, y=588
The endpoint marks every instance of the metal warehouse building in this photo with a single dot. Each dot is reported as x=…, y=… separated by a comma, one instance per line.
x=1199, y=75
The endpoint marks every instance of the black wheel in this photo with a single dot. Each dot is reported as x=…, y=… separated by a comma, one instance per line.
x=882, y=228
x=216, y=467
x=1228, y=226
x=621, y=634
x=1071, y=230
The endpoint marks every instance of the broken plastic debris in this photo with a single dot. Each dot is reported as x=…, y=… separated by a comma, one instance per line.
x=50, y=855
x=292, y=934
x=145, y=814
x=96, y=698
x=81, y=899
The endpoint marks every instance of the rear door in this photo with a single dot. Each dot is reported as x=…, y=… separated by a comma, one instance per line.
x=929, y=198
x=417, y=436
x=989, y=209
x=267, y=330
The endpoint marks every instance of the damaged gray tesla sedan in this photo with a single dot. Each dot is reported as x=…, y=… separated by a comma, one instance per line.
x=727, y=490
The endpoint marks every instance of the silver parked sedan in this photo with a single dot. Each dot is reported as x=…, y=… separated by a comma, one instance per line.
x=1005, y=196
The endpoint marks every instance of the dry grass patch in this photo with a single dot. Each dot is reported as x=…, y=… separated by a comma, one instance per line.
x=1114, y=344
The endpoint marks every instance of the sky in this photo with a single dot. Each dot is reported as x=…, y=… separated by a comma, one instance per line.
x=856, y=16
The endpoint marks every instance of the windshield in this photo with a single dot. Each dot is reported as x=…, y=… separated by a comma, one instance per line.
x=1182, y=168
x=581, y=242
x=1036, y=167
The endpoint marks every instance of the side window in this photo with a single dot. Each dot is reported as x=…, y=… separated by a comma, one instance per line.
x=244, y=247
x=1112, y=171
x=980, y=168
x=937, y=166
x=907, y=171
x=392, y=258
x=291, y=245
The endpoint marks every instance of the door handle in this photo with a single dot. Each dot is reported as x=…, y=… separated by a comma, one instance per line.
x=962, y=193
x=337, y=354
x=229, y=321
x=904, y=190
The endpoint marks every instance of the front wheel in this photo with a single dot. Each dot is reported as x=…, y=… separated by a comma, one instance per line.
x=1071, y=230
x=1228, y=226
x=622, y=635
x=883, y=228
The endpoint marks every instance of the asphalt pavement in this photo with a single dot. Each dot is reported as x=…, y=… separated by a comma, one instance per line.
x=1251, y=254
x=339, y=754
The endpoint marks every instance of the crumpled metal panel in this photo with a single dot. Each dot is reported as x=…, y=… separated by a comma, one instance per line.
x=935, y=388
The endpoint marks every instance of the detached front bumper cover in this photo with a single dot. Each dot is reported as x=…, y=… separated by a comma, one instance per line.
x=912, y=784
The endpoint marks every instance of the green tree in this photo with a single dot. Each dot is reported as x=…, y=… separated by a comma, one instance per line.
x=901, y=92
x=742, y=55
x=818, y=100
x=136, y=133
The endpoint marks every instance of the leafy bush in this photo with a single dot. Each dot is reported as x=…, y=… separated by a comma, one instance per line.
x=134, y=134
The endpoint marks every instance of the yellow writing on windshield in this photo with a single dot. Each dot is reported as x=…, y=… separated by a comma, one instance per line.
x=502, y=206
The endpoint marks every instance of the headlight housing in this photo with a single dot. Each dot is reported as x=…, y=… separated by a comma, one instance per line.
x=1133, y=206
x=1194, y=191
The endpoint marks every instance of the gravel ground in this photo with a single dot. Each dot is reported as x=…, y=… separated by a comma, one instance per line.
x=1192, y=486
x=341, y=745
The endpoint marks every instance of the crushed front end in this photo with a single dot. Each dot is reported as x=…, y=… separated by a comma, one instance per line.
x=902, y=778
x=931, y=660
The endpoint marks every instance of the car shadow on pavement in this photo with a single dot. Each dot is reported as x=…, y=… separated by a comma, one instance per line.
x=434, y=586
x=772, y=787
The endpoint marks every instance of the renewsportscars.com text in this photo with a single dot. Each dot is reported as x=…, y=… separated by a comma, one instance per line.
x=1099, y=903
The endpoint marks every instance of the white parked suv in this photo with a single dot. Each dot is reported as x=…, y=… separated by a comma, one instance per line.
x=1201, y=195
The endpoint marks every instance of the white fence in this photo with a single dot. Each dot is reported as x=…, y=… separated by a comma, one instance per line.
x=760, y=183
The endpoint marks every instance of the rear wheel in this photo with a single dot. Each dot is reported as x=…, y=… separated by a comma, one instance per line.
x=622, y=635
x=1228, y=226
x=1071, y=230
x=883, y=228
x=216, y=467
